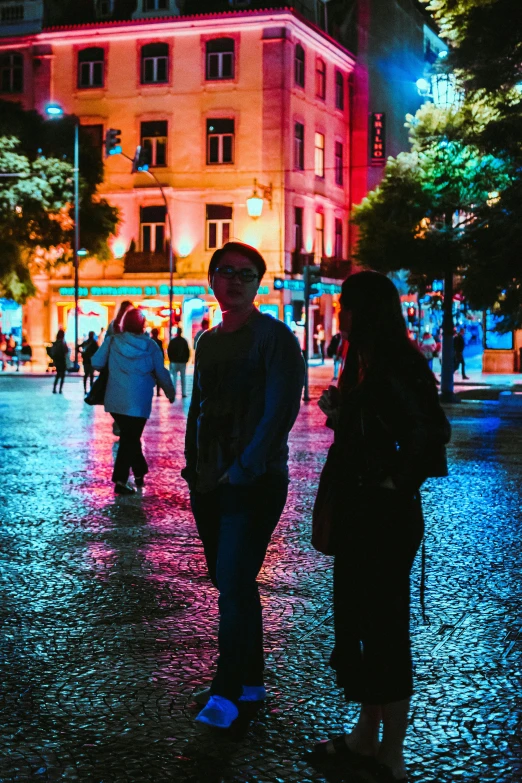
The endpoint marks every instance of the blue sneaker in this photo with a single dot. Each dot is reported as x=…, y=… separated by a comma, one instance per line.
x=253, y=693
x=218, y=712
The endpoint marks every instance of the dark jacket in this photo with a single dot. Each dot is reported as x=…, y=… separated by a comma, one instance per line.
x=393, y=425
x=58, y=352
x=178, y=351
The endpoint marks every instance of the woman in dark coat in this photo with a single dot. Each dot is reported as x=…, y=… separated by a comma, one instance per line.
x=389, y=437
x=58, y=353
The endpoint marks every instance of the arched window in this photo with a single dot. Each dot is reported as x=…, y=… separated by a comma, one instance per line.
x=299, y=66
x=220, y=58
x=11, y=73
x=154, y=63
x=90, y=67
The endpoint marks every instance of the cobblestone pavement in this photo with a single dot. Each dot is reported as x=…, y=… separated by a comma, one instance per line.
x=109, y=621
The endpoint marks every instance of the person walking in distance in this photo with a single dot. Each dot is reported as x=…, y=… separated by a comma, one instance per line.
x=135, y=365
x=248, y=380
x=154, y=335
x=204, y=326
x=88, y=349
x=390, y=433
x=178, y=352
x=459, y=344
x=320, y=339
x=58, y=353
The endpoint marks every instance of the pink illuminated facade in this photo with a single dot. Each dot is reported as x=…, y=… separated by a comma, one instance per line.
x=222, y=104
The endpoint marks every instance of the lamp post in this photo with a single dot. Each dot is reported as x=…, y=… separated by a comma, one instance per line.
x=54, y=110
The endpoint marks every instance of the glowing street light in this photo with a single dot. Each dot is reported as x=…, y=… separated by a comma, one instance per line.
x=55, y=111
x=254, y=204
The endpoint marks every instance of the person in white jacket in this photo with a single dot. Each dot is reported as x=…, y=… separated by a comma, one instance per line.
x=135, y=367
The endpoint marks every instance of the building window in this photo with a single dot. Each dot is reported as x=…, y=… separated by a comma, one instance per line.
x=11, y=73
x=219, y=225
x=152, y=224
x=104, y=8
x=13, y=13
x=220, y=141
x=339, y=164
x=338, y=247
x=319, y=155
x=320, y=79
x=299, y=66
x=90, y=67
x=93, y=135
x=319, y=237
x=298, y=229
x=220, y=58
x=154, y=63
x=155, y=5
x=299, y=146
x=154, y=142
x=339, y=90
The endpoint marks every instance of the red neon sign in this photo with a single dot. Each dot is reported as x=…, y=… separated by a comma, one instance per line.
x=377, y=139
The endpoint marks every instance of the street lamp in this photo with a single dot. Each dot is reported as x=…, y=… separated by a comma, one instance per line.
x=254, y=204
x=55, y=111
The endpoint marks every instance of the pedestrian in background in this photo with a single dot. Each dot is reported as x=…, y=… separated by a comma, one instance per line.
x=335, y=352
x=204, y=326
x=389, y=437
x=320, y=339
x=59, y=352
x=247, y=387
x=459, y=344
x=428, y=348
x=115, y=326
x=88, y=349
x=178, y=352
x=135, y=365
x=154, y=335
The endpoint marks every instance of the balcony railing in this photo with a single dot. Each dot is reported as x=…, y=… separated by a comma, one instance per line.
x=138, y=262
x=333, y=268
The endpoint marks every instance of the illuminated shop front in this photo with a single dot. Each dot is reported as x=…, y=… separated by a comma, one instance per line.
x=98, y=305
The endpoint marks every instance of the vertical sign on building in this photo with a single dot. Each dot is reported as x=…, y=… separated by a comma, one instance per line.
x=377, y=139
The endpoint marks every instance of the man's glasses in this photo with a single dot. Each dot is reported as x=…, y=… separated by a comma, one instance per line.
x=229, y=272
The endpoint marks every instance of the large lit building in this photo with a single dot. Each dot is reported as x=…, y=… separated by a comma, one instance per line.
x=228, y=106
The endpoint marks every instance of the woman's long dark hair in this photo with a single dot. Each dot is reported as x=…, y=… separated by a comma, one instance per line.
x=378, y=337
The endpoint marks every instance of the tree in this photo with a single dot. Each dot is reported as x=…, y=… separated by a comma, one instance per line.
x=43, y=151
x=485, y=52
x=33, y=215
x=425, y=214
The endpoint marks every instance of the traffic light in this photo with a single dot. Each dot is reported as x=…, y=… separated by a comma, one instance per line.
x=312, y=278
x=140, y=161
x=112, y=142
x=410, y=312
x=297, y=310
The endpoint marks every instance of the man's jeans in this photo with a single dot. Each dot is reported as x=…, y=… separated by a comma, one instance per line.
x=174, y=368
x=235, y=524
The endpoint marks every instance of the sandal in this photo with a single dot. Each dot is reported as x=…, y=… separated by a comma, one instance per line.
x=383, y=774
x=341, y=751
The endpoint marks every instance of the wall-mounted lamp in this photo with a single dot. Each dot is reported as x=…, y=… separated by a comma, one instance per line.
x=254, y=204
x=443, y=90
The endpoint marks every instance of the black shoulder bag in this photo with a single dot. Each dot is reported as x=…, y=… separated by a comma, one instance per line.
x=96, y=395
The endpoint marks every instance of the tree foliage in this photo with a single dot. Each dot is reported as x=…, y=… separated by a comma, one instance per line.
x=432, y=209
x=36, y=209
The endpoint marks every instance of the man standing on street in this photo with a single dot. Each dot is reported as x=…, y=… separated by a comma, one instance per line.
x=178, y=352
x=248, y=380
x=458, y=353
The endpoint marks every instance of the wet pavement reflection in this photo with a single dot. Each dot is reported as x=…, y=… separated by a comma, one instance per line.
x=109, y=620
